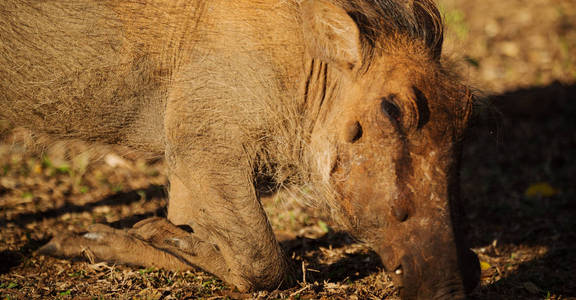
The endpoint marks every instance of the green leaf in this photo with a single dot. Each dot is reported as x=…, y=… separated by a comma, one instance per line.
x=27, y=195
x=12, y=285
x=325, y=228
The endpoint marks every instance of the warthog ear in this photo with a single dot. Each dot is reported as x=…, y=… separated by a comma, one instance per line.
x=330, y=33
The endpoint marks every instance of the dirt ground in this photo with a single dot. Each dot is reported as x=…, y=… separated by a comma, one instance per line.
x=518, y=184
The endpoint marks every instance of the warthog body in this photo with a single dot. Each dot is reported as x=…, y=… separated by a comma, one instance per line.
x=346, y=99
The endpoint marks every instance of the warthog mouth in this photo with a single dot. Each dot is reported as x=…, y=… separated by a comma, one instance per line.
x=432, y=276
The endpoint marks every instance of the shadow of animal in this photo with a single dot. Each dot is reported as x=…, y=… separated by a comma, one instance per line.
x=527, y=136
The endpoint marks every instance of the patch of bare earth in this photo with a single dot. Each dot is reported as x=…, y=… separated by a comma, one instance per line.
x=517, y=183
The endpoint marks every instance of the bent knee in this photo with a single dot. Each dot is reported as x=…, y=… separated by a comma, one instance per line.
x=275, y=275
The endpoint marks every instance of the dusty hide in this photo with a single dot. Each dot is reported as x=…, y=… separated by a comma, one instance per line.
x=103, y=71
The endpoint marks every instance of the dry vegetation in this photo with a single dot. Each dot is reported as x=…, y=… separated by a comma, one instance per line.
x=518, y=185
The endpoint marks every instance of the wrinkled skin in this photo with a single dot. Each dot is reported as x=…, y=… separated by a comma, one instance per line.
x=299, y=93
x=400, y=195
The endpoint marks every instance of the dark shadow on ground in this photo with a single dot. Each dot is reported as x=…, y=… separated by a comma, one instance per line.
x=118, y=199
x=525, y=137
x=129, y=221
x=10, y=259
x=552, y=273
x=352, y=266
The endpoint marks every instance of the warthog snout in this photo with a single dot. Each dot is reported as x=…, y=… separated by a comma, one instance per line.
x=431, y=270
x=394, y=167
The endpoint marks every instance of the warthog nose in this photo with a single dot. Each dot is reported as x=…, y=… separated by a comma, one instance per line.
x=353, y=132
x=400, y=213
x=397, y=276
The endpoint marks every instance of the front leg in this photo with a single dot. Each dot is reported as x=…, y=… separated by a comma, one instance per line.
x=231, y=236
x=153, y=242
x=222, y=208
x=215, y=196
x=211, y=157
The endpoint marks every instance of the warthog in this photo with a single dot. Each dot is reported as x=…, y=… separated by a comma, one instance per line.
x=345, y=99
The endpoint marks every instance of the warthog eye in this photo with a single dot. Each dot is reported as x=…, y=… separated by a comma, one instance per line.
x=390, y=108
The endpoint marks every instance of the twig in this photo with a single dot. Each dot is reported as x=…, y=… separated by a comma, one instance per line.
x=304, y=272
x=299, y=291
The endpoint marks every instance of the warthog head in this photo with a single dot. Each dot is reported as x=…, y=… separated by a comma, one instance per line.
x=387, y=139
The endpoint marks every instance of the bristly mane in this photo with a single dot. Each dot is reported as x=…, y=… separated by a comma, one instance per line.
x=417, y=20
